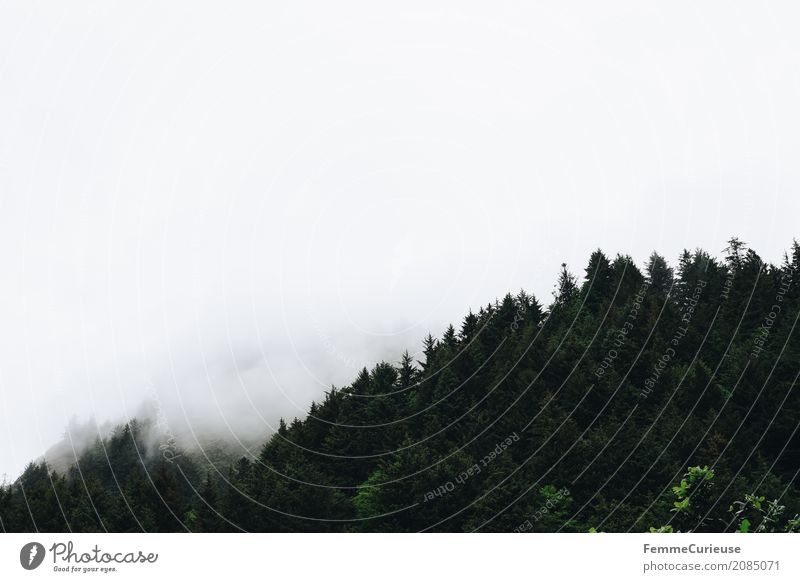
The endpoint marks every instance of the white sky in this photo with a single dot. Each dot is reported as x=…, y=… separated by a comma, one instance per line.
x=239, y=205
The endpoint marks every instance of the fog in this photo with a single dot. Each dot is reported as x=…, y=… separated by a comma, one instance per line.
x=218, y=212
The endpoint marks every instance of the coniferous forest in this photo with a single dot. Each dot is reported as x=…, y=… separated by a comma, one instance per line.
x=637, y=398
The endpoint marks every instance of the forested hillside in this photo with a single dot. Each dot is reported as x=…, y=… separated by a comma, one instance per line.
x=637, y=399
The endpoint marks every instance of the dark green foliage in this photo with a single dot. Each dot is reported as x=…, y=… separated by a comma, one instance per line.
x=663, y=400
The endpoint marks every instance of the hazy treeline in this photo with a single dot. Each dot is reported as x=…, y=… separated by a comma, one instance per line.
x=637, y=399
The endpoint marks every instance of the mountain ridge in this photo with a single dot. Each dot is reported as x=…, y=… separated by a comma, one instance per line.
x=659, y=398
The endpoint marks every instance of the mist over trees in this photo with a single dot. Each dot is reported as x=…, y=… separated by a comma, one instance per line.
x=658, y=398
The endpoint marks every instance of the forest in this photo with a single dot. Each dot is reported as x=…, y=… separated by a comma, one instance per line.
x=636, y=399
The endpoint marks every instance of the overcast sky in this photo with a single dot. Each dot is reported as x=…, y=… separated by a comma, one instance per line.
x=226, y=209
